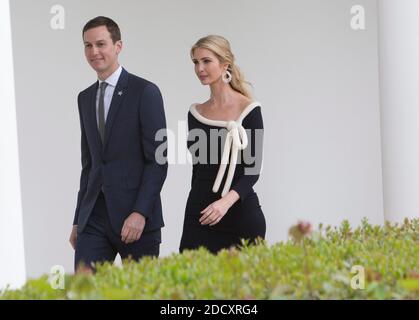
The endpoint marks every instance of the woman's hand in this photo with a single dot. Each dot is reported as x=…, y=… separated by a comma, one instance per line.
x=215, y=211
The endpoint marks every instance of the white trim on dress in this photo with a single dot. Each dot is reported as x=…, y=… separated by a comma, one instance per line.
x=236, y=140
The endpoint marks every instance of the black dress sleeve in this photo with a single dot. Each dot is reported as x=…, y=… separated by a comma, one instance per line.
x=251, y=157
x=190, y=142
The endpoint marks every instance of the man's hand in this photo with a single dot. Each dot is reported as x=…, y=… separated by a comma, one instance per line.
x=73, y=236
x=133, y=228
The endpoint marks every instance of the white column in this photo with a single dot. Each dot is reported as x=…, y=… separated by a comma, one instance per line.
x=12, y=257
x=399, y=94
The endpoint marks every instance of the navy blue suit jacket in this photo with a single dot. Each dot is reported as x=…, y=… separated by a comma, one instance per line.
x=124, y=166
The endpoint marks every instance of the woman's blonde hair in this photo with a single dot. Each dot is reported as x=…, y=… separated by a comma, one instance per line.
x=222, y=50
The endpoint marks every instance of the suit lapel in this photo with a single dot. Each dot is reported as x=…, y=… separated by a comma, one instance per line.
x=117, y=98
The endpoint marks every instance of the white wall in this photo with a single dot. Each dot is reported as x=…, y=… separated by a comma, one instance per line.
x=316, y=78
x=399, y=78
x=12, y=255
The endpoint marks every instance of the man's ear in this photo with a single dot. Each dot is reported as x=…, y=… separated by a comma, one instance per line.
x=118, y=46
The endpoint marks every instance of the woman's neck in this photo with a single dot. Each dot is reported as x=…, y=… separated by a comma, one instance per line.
x=221, y=94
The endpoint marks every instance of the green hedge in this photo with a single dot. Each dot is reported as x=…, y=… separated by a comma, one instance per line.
x=312, y=265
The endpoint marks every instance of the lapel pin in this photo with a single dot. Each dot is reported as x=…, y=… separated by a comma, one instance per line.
x=120, y=93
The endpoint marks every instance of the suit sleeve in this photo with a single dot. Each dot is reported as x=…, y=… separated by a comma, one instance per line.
x=152, y=120
x=253, y=124
x=86, y=163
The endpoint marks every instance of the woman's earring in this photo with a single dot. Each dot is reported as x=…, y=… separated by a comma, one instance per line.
x=226, y=77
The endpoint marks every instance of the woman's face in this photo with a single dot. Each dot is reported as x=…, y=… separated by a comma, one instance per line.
x=207, y=66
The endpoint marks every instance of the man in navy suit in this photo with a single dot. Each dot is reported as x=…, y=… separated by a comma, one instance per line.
x=118, y=205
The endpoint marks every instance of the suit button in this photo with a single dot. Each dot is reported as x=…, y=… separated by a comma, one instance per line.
x=104, y=162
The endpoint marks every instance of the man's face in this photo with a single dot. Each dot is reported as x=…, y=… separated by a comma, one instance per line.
x=100, y=51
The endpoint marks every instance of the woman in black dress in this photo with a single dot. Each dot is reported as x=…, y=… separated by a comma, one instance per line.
x=225, y=140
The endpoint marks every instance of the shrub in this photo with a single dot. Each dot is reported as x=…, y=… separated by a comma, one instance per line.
x=315, y=266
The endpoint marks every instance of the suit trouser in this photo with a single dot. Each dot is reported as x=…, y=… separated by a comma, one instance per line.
x=99, y=243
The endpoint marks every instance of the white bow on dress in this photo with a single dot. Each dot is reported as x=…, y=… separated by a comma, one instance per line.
x=236, y=140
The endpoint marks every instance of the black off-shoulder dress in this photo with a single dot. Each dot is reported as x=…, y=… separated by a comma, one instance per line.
x=226, y=155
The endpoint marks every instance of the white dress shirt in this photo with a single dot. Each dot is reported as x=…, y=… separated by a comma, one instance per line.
x=112, y=80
